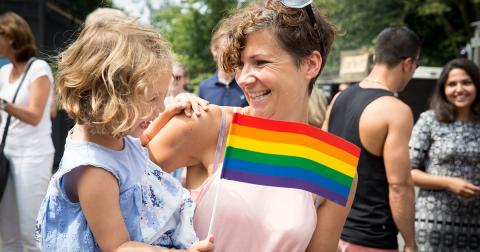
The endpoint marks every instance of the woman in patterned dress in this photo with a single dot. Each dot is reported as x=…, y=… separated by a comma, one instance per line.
x=445, y=156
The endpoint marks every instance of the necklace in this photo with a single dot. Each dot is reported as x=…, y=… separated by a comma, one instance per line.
x=374, y=81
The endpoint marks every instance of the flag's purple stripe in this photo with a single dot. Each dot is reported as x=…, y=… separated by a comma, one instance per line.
x=283, y=182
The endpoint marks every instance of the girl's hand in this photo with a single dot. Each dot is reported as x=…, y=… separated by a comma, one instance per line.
x=183, y=103
x=191, y=102
x=203, y=246
x=463, y=187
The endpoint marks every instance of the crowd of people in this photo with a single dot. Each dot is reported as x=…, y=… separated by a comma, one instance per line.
x=134, y=128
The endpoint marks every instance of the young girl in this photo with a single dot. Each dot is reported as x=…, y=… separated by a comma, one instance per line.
x=107, y=194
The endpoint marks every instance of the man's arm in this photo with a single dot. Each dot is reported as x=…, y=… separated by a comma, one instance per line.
x=397, y=165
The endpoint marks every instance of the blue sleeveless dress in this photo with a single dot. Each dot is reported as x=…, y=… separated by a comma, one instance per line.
x=155, y=207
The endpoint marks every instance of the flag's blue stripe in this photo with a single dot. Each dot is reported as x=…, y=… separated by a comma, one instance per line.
x=286, y=172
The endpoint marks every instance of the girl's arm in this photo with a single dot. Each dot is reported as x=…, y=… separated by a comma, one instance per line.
x=98, y=194
x=184, y=141
x=330, y=220
x=185, y=103
x=38, y=96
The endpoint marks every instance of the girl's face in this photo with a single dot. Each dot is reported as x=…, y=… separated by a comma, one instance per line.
x=156, y=99
x=274, y=85
x=459, y=89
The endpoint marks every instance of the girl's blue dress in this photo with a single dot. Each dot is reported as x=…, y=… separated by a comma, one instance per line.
x=155, y=207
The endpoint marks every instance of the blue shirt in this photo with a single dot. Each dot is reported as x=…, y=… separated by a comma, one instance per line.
x=155, y=207
x=220, y=94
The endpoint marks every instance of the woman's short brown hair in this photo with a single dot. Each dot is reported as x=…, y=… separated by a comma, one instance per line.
x=106, y=75
x=17, y=29
x=291, y=26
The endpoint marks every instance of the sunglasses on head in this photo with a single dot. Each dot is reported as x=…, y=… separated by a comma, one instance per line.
x=307, y=6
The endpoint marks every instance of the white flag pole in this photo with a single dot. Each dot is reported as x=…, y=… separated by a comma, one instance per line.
x=215, y=167
x=212, y=218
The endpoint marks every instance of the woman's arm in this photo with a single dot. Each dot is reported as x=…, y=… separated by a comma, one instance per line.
x=456, y=185
x=33, y=112
x=330, y=220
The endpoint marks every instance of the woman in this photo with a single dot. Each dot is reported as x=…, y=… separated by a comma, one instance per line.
x=277, y=54
x=445, y=155
x=29, y=146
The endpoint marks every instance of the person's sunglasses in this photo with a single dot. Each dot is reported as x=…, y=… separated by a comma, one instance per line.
x=307, y=6
x=177, y=77
x=415, y=60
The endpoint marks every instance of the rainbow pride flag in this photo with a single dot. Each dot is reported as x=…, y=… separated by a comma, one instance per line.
x=288, y=154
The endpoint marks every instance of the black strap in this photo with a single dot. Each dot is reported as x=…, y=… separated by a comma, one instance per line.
x=9, y=118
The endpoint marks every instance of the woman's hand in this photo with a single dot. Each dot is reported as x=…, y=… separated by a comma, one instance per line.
x=203, y=246
x=462, y=187
x=191, y=102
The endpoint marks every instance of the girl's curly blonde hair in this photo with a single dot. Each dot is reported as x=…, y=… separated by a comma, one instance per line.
x=106, y=75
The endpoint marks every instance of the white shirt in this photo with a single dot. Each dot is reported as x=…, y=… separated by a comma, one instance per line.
x=23, y=137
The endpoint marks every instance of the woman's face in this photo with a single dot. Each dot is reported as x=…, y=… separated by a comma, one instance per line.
x=155, y=98
x=460, y=90
x=274, y=86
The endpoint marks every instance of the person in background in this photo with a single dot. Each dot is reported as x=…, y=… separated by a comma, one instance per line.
x=221, y=88
x=445, y=157
x=179, y=83
x=29, y=146
x=102, y=14
x=180, y=73
x=178, y=86
x=317, y=106
x=370, y=116
x=344, y=85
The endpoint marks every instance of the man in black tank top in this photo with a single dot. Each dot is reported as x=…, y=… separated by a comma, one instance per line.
x=370, y=116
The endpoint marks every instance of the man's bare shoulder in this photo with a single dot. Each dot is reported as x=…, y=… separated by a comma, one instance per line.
x=388, y=108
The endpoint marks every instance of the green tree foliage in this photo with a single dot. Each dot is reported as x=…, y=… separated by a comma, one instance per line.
x=189, y=28
x=443, y=25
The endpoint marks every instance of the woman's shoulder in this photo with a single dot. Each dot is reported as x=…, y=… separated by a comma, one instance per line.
x=39, y=68
x=428, y=116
